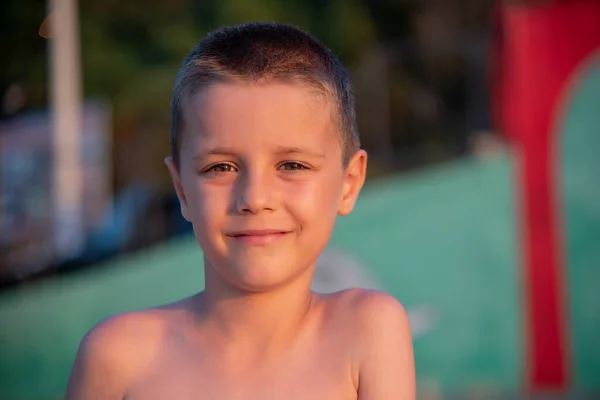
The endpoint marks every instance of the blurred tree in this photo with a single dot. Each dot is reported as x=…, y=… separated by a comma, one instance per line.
x=393, y=17
x=24, y=59
x=130, y=54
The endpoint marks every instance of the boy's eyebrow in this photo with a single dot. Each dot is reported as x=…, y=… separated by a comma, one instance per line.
x=219, y=151
x=298, y=150
x=280, y=151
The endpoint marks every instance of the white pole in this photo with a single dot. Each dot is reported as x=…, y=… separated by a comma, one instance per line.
x=65, y=88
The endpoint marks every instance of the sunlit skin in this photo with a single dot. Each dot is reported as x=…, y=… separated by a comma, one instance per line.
x=262, y=180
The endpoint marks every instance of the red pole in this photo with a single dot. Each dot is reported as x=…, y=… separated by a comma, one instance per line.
x=542, y=47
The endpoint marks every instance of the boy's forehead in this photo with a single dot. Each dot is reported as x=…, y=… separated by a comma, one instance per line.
x=246, y=98
x=289, y=114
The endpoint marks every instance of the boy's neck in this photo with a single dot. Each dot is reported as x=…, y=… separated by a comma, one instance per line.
x=260, y=319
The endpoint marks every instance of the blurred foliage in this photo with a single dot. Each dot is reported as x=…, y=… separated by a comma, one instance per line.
x=23, y=50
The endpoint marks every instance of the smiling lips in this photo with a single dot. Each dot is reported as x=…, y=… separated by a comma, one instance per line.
x=258, y=237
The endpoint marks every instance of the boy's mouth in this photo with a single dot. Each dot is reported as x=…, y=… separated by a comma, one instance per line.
x=258, y=237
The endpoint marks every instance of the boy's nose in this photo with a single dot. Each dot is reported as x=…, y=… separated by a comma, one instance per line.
x=254, y=194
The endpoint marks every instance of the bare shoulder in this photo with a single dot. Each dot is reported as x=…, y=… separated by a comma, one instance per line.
x=123, y=335
x=367, y=311
x=116, y=351
x=379, y=329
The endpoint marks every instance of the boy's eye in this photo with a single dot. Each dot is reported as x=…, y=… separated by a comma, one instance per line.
x=221, y=168
x=292, y=166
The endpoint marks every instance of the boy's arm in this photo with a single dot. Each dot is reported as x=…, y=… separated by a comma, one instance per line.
x=104, y=363
x=386, y=364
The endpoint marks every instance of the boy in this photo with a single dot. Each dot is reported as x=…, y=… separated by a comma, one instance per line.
x=265, y=154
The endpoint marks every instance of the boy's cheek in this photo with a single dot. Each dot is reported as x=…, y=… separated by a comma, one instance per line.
x=208, y=199
x=208, y=214
x=319, y=200
x=207, y=229
x=315, y=213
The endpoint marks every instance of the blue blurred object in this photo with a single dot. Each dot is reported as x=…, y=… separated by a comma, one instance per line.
x=118, y=225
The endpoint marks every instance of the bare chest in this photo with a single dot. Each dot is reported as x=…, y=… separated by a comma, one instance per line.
x=307, y=374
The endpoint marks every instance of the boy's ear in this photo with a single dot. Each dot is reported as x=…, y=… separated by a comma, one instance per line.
x=354, y=178
x=178, y=187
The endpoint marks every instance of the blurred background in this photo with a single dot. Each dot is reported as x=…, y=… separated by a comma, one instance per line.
x=481, y=213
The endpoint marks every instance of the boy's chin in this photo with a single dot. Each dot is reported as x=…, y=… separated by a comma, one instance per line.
x=262, y=277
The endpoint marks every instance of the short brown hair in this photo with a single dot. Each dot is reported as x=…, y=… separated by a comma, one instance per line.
x=266, y=51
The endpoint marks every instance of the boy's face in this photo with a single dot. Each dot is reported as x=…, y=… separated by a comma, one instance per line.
x=261, y=179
